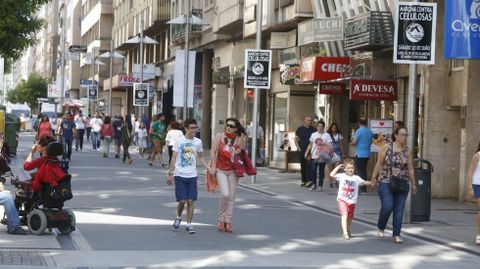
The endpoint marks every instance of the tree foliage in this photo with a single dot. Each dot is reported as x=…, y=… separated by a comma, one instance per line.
x=19, y=26
x=28, y=91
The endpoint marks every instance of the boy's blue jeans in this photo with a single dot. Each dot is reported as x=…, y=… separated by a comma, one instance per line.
x=10, y=210
x=391, y=202
x=321, y=167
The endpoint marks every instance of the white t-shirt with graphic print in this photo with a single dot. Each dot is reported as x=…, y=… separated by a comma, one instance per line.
x=186, y=163
x=348, y=187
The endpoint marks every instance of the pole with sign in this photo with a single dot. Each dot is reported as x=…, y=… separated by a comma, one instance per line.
x=141, y=94
x=92, y=93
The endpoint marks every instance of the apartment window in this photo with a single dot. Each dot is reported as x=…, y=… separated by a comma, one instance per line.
x=457, y=64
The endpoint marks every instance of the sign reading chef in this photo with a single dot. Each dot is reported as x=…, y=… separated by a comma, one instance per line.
x=323, y=68
x=363, y=89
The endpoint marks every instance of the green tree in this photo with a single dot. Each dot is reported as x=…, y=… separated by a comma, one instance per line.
x=19, y=26
x=28, y=91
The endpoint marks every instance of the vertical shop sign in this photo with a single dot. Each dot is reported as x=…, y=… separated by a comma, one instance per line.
x=382, y=130
x=258, y=68
x=414, y=39
x=362, y=89
x=141, y=94
x=462, y=29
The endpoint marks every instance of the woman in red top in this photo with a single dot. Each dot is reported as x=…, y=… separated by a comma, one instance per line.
x=106, y=134
x=47, y=174
x=224, y=148
x=44, y=127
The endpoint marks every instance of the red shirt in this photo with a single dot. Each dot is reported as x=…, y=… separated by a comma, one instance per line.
x=49, y=173
x=224, y=160
x=44, y=128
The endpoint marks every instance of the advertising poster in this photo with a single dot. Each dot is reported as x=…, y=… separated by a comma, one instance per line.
x=258, y=68
x=382, y=133
x=462, y=29
x=286, y=141
x=141, y=94
x=414, y=39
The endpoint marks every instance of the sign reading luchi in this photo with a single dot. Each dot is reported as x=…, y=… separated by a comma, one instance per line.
x=258, y=68
x=332, y=88
x=320, y=29
x=462, y=29
x=362, y=89
x=140, y=94
x=414, y=40
x=92, y=92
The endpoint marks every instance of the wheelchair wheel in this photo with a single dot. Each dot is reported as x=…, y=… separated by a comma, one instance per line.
x=37, y=222
x=70, y=227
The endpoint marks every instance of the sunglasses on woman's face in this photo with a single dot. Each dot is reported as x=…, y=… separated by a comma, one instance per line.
x=231, y=126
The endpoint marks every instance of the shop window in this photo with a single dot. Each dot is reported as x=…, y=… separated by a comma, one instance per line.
x=279, y=124
x=457, y=64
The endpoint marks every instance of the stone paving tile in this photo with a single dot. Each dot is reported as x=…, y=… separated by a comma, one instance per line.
x=31, y=258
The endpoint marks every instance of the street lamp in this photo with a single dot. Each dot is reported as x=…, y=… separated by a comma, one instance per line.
x=111, y=55
x=141, y=40
x=187, y=21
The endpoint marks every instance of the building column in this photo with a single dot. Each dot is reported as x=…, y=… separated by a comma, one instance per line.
x=206, y=131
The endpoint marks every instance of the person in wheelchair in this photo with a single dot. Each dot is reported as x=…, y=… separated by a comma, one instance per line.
x=49, y=171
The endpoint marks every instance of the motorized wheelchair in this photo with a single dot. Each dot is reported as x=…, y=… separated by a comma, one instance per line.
x=39, y=211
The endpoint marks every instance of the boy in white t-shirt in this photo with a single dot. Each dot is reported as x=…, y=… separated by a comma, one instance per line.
x=347, y=193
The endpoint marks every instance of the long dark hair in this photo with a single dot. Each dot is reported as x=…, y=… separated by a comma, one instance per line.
x=331, y=127
x=128, y=121
x=478, y=148
x=396, y=131
x=238, y=126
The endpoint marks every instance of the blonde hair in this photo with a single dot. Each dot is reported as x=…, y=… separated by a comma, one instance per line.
x=349, y=161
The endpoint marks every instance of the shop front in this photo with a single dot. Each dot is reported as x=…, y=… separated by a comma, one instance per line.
x=122, y=93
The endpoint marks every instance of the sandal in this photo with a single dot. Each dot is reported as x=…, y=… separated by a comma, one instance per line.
x=477, y=240
x=228, y=228
x=346, y=236
x=381, y=233
x=221, y=226
x=397, y=239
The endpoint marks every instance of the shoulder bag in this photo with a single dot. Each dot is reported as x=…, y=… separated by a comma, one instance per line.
x=397, y=184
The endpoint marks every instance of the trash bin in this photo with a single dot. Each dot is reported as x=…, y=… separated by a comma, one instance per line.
x=12, y=129
x=420, y=203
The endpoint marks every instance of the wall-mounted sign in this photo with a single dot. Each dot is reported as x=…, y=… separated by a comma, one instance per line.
x=332, y=88
x=363, y=89
x=127, y=80
x=320, y=29
x=86, y=82
x=323, y=68
x=462, y=29
x=414, y=40
x=221, y=76
x=289, y=74
x=369, y=31
x=258, y=68
x=93, y=92
x=289, y=56
x=282, y=40
x=53, y=91
x=148, y=71
x=141, y=94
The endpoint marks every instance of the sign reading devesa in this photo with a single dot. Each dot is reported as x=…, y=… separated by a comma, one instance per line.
x=462, y=29
x=414, y=40
x=362, y=89
x=258, y=68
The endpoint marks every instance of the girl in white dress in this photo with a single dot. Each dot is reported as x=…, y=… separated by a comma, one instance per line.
x=142, y=139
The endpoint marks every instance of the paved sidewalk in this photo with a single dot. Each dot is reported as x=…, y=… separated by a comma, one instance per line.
x=451, y=223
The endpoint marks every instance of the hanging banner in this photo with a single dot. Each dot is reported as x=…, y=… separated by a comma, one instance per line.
x=332, y=88
x=414, y=39
x=179, y=78
x=462, y=29
x=379, y=90
x=141, y=94
x=258, y=69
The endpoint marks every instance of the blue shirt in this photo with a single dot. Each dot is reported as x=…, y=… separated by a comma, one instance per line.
x=364, y=137
x=67, y=128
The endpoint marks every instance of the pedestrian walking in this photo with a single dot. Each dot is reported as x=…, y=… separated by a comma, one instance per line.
x=126, y=138
x=224, y=147
x=106, y=134
x=319, y=147
x=79, y=121
x=347, y=193
x=44, y=128
x=117, y=134
x=172, y=136
x=183, y=167
x=88, y=127
x=96, y=124
x=302, y=140
x=394, y=165
x=337, y=144
x=141, y=134
x=157, y=134
x=362, y=140
x=67, y=131
x=473, y=186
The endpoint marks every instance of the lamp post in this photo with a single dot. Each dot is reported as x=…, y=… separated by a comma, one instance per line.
x=111, y=54
x=187, y=20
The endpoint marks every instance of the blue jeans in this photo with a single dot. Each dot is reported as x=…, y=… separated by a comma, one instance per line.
x=95, y=140
x=314, y=166
x=67, y=147
x=391, y=202
x=10, y=210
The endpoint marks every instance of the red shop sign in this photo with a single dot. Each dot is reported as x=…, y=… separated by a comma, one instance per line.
x=332, y=88
x=373, y=90
x=323, y=68
x=127, y=80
